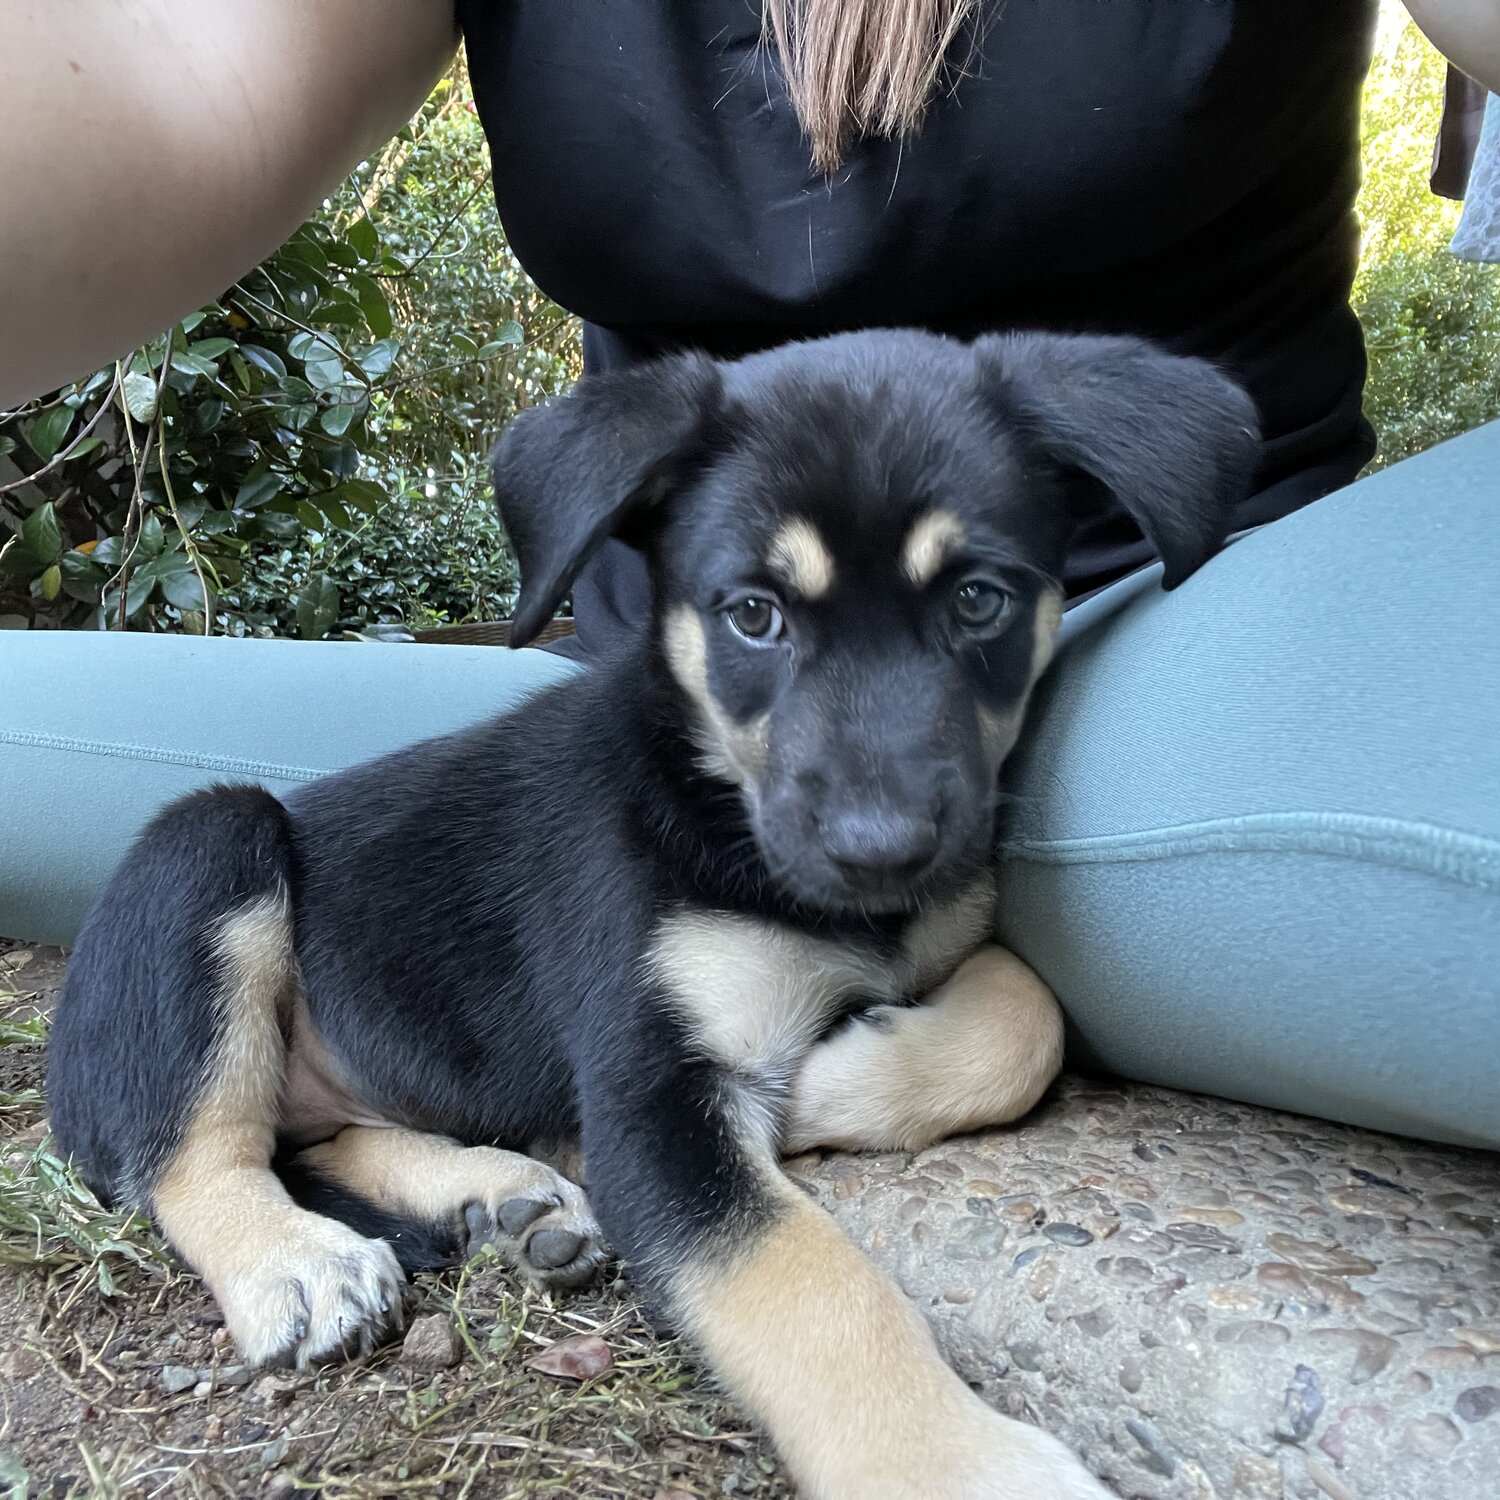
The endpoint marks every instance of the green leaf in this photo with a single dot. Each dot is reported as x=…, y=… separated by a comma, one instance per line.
x=137, y=594
x=40, y=534
x=211, y=348
x=84, y=567
x=140, y=397
x=50, y=584
x=187, y=325
x=20, y=564
x=317, y=607
x=109, y=552
x=343, y=254
x=7, y=445
x=362, y=236
x=190, y=364
x=207, y=415
x=325, y=374
x=364, y=495
x=302, y=248
x=88, y=445
x=379, y=357
x=153, y=538
x=338, y=419
x=181, y=587
x=335, y=512
x=257, y=489
x=510, y=332
x=313, y=346
x=216, y=521
x=46, y=434
x=309, y=515
x=373, y=304
x=264, y=359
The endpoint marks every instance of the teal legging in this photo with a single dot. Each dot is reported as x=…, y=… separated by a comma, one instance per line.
x=1255, y=842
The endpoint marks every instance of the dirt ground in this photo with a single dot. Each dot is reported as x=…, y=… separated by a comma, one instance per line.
x=116, y=1377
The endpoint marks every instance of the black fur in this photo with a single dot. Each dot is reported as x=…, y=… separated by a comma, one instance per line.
x=472, y=913
x=137, y=1014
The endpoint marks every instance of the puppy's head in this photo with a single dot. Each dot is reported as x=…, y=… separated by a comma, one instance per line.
x=855, y=545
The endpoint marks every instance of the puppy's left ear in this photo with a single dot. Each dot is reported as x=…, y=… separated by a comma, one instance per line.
x=1173, y=440
x=581, y=467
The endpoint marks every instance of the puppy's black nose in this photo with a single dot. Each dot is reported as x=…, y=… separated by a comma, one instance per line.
x=879, y=846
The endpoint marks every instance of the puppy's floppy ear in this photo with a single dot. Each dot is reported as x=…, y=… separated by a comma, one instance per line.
x=579, y=468
x=1171, y=438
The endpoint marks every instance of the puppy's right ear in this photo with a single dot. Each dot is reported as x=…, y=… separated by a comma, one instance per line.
x=577, y=469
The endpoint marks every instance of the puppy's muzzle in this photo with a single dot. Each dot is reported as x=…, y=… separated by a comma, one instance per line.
x=879, y=849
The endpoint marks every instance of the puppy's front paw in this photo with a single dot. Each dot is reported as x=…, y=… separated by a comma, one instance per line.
x=548, y=1232
x=316, y=1291
x=1021, y=1462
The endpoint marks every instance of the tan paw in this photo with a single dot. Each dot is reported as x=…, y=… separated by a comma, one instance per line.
x=317, y=1291
x=1020, y=1462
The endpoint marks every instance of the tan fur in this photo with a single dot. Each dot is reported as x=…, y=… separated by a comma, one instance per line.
x=980, y=1050
x=800, y=557
x=1000, y=731
x=755, y=995
x=831, y=1357
x=735, y=751
x=284, y=1278
x=428, y=1177
x=317, y=1098
x=934, y=538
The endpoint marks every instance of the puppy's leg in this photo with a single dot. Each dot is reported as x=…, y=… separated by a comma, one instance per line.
x=478, y=1195
x=980, y=1050
x=814, y=1341
x=291, y=1284
x=166, y=1063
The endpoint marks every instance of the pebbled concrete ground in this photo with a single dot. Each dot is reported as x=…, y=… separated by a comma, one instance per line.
x=1209, y=1301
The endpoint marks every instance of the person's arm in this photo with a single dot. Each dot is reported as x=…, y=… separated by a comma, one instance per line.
x=155, y=150
x=1466, y=32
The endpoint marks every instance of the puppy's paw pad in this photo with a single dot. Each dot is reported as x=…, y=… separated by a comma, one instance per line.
x=518, y=1214
x=549, y=1236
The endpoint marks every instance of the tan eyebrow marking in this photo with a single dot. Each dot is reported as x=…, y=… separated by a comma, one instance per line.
x=802, y=558
x=929, y=544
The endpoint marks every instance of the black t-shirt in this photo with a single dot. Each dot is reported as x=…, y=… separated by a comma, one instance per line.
x=1183, y=169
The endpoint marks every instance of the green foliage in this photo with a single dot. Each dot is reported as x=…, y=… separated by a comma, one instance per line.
x=303, y=455
x=154, y=481
x=1432, y=323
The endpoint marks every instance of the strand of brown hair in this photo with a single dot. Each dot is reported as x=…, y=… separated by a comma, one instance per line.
x=856, y=67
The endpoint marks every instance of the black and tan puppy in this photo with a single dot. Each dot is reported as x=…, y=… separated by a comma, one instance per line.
x=723, y=896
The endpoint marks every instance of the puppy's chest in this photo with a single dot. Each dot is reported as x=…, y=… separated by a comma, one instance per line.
x=754, y=995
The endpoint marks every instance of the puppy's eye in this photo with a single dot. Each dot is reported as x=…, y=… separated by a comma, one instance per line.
x=757, y=619
x=979, y=604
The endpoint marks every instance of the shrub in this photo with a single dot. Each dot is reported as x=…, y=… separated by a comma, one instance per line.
x=303, y=454
x=1432, y=323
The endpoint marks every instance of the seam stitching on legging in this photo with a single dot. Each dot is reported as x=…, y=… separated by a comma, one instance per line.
x=1466, y=858
x=112, y=751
